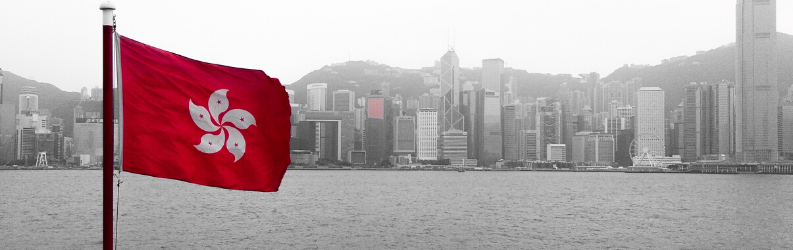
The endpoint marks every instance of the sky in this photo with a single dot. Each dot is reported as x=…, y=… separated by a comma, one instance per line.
x=60, y=42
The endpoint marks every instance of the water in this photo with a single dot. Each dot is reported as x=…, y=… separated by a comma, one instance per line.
x=415, y=210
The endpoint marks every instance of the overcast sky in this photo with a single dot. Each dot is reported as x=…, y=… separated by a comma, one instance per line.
x=60, y=41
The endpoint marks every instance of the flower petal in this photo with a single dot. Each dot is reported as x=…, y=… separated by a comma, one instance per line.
x=201, y=118
x=210, y=143
x=218, y=103
x=240, y=118
x=236, y=143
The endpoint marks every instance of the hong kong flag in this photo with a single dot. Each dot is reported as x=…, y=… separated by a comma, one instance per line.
x=203, y=123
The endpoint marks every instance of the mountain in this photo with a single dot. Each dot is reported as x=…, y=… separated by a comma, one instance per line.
x=57, y=101
x=364, y=76
x=711, y=66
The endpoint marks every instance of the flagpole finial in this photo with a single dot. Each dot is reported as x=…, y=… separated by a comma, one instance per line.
x=107, y=8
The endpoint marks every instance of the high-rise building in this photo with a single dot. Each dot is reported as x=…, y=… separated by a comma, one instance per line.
x=315, y=95
x=757, y=97
x=376, y=128
x=7, y=124
x=549, y=124
x=84, y=95
x=404, y=135
x=594, y=147
x=97, y=94
x=427, y=134
x=28, y=100
x=489, y=137
x=468, y=107
x=510, y=134
x=449, y=116
x=786, y=131
x=329, y=134
x=527, y=145
x=343, y=100
x=650, y=121
x=556, y=152
x=492, y=71
x=291, y=94
x=707, y=120
x=454, y=146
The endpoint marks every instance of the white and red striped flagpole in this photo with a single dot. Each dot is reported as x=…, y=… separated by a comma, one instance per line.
x=107, y=124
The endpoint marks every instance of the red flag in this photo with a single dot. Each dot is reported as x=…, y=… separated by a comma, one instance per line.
x=203, y=123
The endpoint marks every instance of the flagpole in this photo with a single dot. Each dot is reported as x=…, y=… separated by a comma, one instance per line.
x=107, y=124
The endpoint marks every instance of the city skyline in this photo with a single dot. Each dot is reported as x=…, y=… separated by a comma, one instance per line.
x=568, y=37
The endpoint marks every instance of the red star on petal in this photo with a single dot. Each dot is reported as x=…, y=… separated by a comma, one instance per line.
x=218, y=101
x=242, y=119
x=235, y=144
x=200, y=116
x=210, y=143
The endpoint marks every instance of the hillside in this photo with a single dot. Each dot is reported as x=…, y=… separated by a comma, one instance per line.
x=60, y=103
x=712, y=66
x=364, y=76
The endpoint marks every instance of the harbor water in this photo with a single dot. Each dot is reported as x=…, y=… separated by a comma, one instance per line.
x=61, y=209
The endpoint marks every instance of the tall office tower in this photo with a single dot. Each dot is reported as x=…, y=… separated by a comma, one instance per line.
x=593, y=91
x=511, y=91
x=692, y=123
x=449, y=116
x=84, y=95
x=489, y=127
x=97, y=93
x=650, y=121
x=28, y=100
x=468, y=107
x=7, y=125
x=577, y=101
x=724, y=117
x=631, y=88
x=427, y=134
x=756, y=91
x=343, y=100
x=492, y=71
x=404, y=135
x=707, y=120
x=510, y=134
x=315, y=95
x=454, y=146
x=527, y=145
x=291, y=93
x=549, y=124
x=376, y=128
x=786, y=131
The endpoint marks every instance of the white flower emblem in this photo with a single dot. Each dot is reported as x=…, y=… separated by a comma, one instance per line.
x=240, y=119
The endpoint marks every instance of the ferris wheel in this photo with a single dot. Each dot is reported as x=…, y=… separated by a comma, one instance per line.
x=645, y=156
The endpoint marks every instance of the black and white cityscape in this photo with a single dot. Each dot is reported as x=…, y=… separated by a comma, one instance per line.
x=638, y=118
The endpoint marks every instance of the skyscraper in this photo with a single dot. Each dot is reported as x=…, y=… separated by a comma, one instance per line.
x=650, y=121
x=291, y=94
x=549, y=124
x=449, y=113
x=427, y=134
x=343, y=100
x=376, y=128
x=28, y=100
x=404, y=135
x=756, y=91
x=510, y=133
x=316, y=94
x=492, y=71
x=488, y=134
